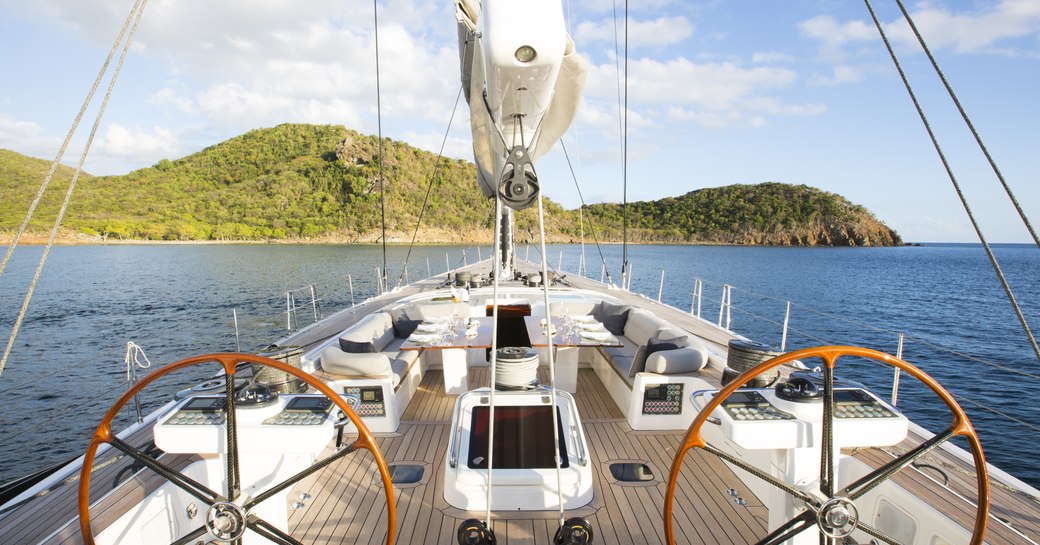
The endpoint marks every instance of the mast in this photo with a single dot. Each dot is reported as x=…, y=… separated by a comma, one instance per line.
x=505, y=241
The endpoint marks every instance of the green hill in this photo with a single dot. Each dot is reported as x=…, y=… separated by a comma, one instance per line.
x=763, y=214
x=308, y=182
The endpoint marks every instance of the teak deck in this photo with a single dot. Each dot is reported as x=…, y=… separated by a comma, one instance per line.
x=344, y=502
x=620, y=513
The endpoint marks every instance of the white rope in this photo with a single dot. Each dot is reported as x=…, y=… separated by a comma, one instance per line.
x=494, y=350
x=64, y=146
x=134, y=355
x=552, y=357
x=135, y=14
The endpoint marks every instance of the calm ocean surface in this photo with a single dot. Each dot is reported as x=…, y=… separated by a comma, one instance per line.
x=175, y=301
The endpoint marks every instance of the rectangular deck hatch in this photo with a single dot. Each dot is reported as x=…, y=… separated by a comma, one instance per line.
x=523, y=438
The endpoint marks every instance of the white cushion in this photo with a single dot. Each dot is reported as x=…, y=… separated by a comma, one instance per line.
x=377, y=329
x=368, y=365
x=680, y=360
x=641, y=326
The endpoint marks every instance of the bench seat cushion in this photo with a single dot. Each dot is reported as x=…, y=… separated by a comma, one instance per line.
x=364, y=365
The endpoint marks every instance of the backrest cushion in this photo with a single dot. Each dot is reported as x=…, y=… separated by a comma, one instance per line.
x=614, y=317
x=375, y=328
x=641, y=326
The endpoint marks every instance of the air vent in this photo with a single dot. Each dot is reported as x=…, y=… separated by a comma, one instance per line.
x=405, y=473
x=631, y=472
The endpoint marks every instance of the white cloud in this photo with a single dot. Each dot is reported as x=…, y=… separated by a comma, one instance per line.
x=170, y=97
x=458, y=148
x=771, y=57
x=679, y=80
x=713, y=94
x=834, y=36
x=26, y=138
x=979, y=31
x=839, y=74
x=250, y=64
x=972, y=32
x=650, y=33
x=144, y=145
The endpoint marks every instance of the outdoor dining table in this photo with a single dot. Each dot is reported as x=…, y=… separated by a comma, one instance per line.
x=452, y=337
x=570, y=335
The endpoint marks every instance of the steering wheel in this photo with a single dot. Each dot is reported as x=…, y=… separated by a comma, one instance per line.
x=228, y=516
x=831, y=510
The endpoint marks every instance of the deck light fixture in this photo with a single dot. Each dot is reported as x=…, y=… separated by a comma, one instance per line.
x=525, y=54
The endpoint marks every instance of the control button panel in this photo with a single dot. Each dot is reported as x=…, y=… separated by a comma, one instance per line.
x=662, y=399
x=200, y=411
x=303, y=411
x=859, y=404
x=751, y=405
x=370, y=400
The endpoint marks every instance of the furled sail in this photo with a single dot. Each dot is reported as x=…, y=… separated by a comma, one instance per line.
x=523, y=81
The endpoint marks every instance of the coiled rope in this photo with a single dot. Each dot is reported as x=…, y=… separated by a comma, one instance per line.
x=132, y=22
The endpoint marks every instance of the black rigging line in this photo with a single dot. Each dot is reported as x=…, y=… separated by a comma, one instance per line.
x=967, y=121
x=429, y=188
x=956, y=185
x=592, y=225
x=379, y=125
x=624, y=164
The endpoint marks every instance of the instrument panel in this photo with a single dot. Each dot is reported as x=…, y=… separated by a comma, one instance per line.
x=751, y=405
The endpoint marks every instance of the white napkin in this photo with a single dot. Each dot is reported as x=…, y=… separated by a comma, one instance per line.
x=590, y=326
x=438, y=320
x=597, y=335
x=583, y=318
x=420, y=338
x=430, y=328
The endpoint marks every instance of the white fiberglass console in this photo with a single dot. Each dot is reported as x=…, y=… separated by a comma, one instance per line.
x=523, y=463
x=780, y=431
x=758, y=419
x=276, y=440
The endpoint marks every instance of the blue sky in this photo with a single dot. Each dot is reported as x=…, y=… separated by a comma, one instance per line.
x=720, y=92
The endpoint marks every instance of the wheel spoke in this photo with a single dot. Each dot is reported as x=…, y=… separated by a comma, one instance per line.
x=234, y=487
x=827, y=450
x=764, y=476
x=182, y=481
x=195, y=534
x=790, y=529
x=267, y=530
x=883, y=473
x=299, y=476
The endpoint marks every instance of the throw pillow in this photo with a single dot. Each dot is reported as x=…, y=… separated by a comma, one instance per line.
x=356, y=347
x=653, y=345
x=612, y=316
x=404, y=328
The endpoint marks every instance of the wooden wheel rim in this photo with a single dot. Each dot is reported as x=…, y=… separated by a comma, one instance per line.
x=830, y=354
x=230, y=362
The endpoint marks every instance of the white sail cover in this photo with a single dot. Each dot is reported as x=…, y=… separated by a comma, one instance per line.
x=513, y=102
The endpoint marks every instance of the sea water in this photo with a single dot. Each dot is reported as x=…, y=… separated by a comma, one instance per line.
x=174, y=301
